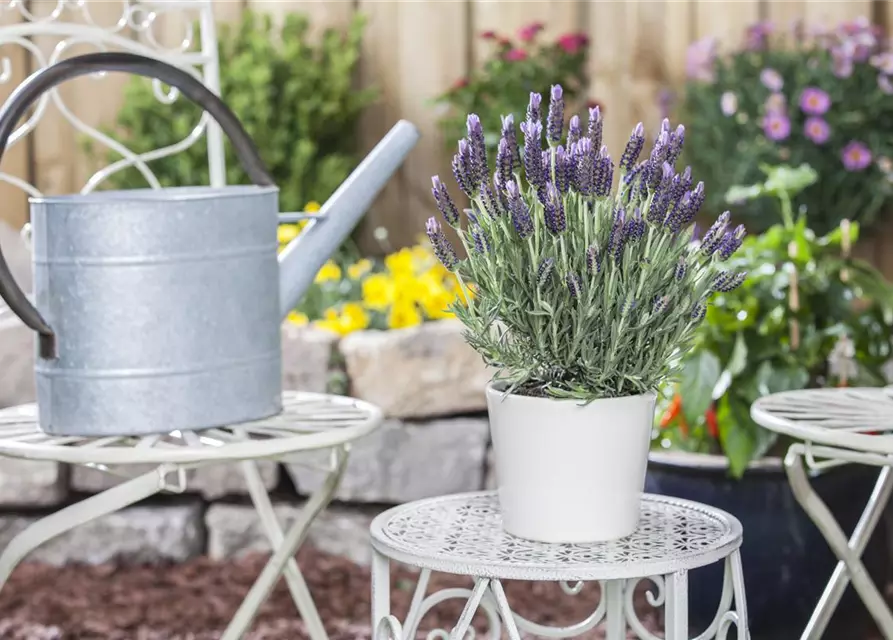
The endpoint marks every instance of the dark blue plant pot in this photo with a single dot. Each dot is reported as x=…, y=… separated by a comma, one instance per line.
x=787, y=562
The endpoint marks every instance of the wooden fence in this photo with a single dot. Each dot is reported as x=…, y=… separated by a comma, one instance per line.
x=414, y=49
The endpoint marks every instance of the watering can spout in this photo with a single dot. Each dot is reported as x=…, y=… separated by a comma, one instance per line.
x=306, y=254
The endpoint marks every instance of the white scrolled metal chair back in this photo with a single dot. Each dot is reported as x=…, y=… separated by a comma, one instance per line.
x=71, y=24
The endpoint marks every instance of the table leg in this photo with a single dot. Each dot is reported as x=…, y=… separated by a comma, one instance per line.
x=740, y=595
x=612, y=591
x=381, y=588
x=101, y=504
x=676, y=607
x=847, y=551
x=502, y=605
x=292, y=540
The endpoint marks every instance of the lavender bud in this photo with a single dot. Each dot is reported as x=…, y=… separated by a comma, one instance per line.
x=533, y=159
x=480, y=239
x=711, y=239
x=681, y=267
x=491, y=204
x=593, y=260
x=573, y=131
x=660, y=304
x=727, y=281
x=683, y=184
x=585, y=167
x=519, y=211
x=544, y=272
x=533, y=108
x=556, y=221
x=696, y=199
x=594, y=131
x=604, y=173
x=633, y=148
x=508, y=132
x=573, y=285
x=478, y=148
x=442, y=247
x=677, y=140
x=634, y=228
x=730, y=242
x=499, y=194
x=560, y=175
x=678, y=217
x=504, y=161
x=555, y=118
x=463, y=168
x=698, y=312
x=444, y=201
x=616, y=237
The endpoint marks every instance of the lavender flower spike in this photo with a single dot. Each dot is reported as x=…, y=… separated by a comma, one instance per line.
x=478, y=148
x=730, y=242
x=442, y=247
x=585, y=169
x=464, y=170
x=544, y=272
x=555, y=119
x=593, y=260
x=556, y=221
x=480, y=239
x=444, y=202
x=660, y=304
x=533, y=108
x=573, y=285
x=633, y=148
x=561, y=169
x=594, y=132
x=676, y=142
x=616, y=238
x=533, y=161
x=519, y=211
x=710, y=241
x=573, y=132
x=508, y=132
x=604, y=173
x=504, y=161
x=681, y=266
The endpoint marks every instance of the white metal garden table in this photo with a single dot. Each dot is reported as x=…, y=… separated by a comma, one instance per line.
x=309, y=421
x=835, y=427
x=462, y=534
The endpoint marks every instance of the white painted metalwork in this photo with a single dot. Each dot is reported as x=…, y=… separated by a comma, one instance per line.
x=835, y=427
x=462, y=534
x=309, y=421
x=134, y=27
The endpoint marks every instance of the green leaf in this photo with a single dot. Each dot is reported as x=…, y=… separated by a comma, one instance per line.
x=775, y=379
x=736, y=433
x=738, y=361
x=700, y=373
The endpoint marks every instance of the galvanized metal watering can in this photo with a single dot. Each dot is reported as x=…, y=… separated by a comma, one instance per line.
x=159, y=310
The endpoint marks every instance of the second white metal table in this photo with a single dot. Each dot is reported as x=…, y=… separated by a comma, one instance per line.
x=309, y=421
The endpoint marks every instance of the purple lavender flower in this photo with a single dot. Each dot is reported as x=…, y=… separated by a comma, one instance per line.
x=593, y=260
x=698, y=312
x=814, y=101
x=555, y=118
x=444, y=202
x=573, y=131
x=856, y=156
x=679, y=214
x=771, y=79
x=480, y=239
x=594, y=130
x=681, y=267
x=728, y=281
x=508, y=132
x=478, y=148
x=556, y=221
x=604, y=173
x=677, y=140
x=463, y=168
x=694, y=205
x=534, y=114
x=519, y=211
x=584, y=178
x=561, y=176
x=504, y=161
x=499, y=195
x=730, y=242
x=817, y=130
x=776, y=126
x=633, y=148
x=544, y=272
x=573, y=284
x=634, y=229
x=491, y=203
x=616, y=237
x=442, y=247
x=712, y=238
x=660, y=203
x=533, y=158
x=660, y=304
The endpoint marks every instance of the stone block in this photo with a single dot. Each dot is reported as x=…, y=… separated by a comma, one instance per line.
x=418, y=372
x=306, y=356
x=16, y=362
x=31, y=483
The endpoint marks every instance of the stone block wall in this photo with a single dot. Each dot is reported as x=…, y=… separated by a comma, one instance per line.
x=434, y=440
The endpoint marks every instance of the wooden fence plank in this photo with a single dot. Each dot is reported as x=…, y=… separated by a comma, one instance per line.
x=331, y=13
x=608, y=65
x=829, y=13
x=16, y=160
x=506, y=17
x=725, y=21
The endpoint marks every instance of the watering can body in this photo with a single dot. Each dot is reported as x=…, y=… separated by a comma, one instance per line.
x=159, y=310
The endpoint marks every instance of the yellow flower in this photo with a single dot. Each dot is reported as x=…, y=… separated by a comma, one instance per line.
x=287, y=232
x=312, y=207
x=298, y=318
x=378, y=291
x=329, y=272
x=358, y=270
x=400, y=263
x=352, y=318
x=403, y=314
x=436, y=305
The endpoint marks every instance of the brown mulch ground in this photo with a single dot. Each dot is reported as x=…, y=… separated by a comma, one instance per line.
x=195, y=600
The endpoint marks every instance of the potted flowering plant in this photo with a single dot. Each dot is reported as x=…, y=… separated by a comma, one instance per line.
x=820, y=97
x=585, y=298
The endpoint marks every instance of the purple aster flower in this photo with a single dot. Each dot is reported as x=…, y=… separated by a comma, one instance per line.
x=728, y=103
x=776, y=126
x=842, y=60
x=883, y=62
x=771, y=79
x=633, y=148
x=681, y=267
x=573, y=131
x=533, y=108
x=442, y=247
x=817, y=130
x=593, y=260
x=555, y=118
x=463, y=168
x=710, y=241
x=700, y=60
x=584, y=178
x=519, y=211
x=776, y=103
x=814, y=101
x=885, y=84
x=556, y=222
x=504, y=161
x=544, y=272
x=444, y=202
x=757, y=37
x=478, y=148
x=595, y=127
x=573, y=284
x=856, y=156
x=533, y=158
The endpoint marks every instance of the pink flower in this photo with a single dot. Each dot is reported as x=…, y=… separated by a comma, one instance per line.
x=771, y=79
x=728, y=104
x=516, y=55
x=489, y=35
x=883, y=62
x=817, y=130
x=528, y=33
x=776, y=103
x=460, y=83
x=856, y=156
x=573, y=42
x=776, y=126
x=700, y=60
x=884, y=84
x=814, y=101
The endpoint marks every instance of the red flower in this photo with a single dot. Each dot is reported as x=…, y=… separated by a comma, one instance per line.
x=712, y=425
x=573, y=42
x=460, y=83
x=516, y=55
x=489, y=35
x=529, y=32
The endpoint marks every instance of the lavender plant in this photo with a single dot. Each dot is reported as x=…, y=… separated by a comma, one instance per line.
x=575, y=289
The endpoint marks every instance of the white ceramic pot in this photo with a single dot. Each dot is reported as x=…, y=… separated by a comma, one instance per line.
x=569, y=472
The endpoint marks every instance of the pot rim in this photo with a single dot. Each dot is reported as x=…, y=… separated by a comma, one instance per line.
x=710, y=461
x=165, y=194
x=496, y=393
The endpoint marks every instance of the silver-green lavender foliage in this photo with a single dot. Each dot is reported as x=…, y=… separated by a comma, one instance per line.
x=581, y=290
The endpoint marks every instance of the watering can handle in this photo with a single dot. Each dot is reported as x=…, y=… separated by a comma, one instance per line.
x=45, y=79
